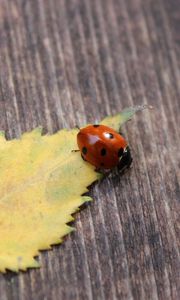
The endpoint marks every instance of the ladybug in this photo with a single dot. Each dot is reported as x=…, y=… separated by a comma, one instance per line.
x=103, y=147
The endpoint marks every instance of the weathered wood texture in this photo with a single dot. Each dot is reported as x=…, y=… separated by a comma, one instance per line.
x=68, y=62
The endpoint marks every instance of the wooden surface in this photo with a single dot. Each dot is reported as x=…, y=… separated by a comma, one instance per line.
x=67, y=62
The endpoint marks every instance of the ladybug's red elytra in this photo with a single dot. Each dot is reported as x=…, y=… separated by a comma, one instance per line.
x=103, y=147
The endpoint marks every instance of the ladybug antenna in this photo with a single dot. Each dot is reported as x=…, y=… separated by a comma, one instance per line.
x=77, y=126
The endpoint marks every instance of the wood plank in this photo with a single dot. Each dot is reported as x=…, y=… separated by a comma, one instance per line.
x=66, y=63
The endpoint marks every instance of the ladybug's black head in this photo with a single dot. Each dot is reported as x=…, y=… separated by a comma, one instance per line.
x=125, y=160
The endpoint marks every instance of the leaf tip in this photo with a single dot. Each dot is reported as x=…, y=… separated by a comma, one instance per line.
x=86, y=199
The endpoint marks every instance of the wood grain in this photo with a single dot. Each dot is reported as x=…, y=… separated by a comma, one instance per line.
x=65, y=63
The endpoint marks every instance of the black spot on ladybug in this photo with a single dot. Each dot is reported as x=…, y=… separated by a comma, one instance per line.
x=84, y=150
x=103, y=152
x=102, y=164
x=109, y=135
x=120, y=152
x=96, y=125
x=83, y=157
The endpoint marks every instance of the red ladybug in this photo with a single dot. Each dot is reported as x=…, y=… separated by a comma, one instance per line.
x=103, y=147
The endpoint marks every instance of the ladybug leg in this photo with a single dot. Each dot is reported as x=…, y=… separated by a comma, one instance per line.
x=102, y=171
x=77, y=150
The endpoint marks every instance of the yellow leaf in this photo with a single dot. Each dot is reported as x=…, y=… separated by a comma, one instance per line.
x=116, y=121
x=41, y=185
